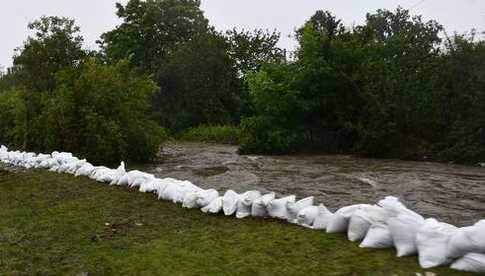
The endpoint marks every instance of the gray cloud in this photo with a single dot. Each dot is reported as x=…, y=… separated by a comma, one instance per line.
x=97, y=16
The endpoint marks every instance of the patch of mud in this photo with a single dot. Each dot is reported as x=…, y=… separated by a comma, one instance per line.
x=451, y=193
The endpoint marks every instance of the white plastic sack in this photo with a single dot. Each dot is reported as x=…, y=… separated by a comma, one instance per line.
x=339, y=222
x=229, y=202
x=323, y=218
x=432, y=240
x=214, y=207
x=467, y=240
x=295, y=207
x=260, y=205
x=472, y=262
x=85, y=170
x=152, y=185
x=307, y=216
x=404, y=229
x=176, y=190
x=362, y=219
x=277, y=207
x=205, y=197
x=378, y=236
x=245, y=203
x=199, y=198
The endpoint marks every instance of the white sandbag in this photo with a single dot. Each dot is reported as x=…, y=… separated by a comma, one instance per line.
x=378, y=236
x=404, y=229
x=199, y=199
x=153, y=186
x=432, y=240
x=214, y=207
x=323, y=218
x=229, y=202
x=190, y=200
x=307, y=216
x=85, y=170
x=245, y=203
x=362, y=219
x=471, y=262
x=260, y=205
x=467, y=240
x=339, y=221
x=176, y=190
x=295, y=207
x=205, y=197
x=277, y=207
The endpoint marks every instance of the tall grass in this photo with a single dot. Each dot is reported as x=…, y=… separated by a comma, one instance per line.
x=212, y=134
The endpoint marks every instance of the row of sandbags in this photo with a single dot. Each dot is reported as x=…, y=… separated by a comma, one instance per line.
x=388, y=224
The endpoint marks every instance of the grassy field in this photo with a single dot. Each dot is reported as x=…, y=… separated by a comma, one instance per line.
x=60, y=225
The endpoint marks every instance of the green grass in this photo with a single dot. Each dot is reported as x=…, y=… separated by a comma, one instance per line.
x=212, y=134
x=57, y=225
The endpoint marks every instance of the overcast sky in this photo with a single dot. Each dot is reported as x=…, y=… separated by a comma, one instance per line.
x=98, y=16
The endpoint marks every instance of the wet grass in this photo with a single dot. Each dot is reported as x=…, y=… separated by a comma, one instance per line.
x=60, y=225
x=212, y=134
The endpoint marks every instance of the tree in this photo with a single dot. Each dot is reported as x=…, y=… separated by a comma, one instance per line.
x=199, y=85
x=401, y=85
x=251, y=50
x=99, y=112
x=465, y=102
x=152, y=30
x=55, y=46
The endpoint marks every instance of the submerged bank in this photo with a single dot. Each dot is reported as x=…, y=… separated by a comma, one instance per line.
x=451, y=193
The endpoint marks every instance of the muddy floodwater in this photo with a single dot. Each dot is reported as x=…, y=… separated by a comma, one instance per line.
x=451, y=193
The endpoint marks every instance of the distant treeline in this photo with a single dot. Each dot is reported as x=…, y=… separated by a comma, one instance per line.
x=395, y=86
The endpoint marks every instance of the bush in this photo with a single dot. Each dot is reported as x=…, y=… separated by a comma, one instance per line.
x=12, y=118
x=99, y=112
x=212, y=134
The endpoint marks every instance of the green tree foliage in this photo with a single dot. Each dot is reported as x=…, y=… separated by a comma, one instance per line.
x=401, y=83
x=152, y=30
x=199, y=85
x=312, y=103
x=252, y=49
x=12, y=117
x=55, y=46
x=99, y=111
x=465, y=104
x=386, y=89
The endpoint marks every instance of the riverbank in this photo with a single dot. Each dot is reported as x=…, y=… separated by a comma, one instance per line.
x=54, y=224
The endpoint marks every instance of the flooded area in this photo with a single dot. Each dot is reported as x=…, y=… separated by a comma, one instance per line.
x=451, y=193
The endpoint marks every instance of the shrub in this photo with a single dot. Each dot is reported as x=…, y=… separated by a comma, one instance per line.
x=212, y=134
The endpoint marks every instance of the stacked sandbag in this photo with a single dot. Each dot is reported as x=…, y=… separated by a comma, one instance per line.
x=214, y=207
x=432, y=241
x=467, y=240
x=339, y=221
x=293, y=208
x=307, y=216
x=277, y=208
x=245, y=203
x=377, y=225
x=260, y=205
x=229, y=202
x=471, y=262
x=322, y=219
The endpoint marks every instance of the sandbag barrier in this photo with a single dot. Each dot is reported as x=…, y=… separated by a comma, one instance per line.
x=387, y=224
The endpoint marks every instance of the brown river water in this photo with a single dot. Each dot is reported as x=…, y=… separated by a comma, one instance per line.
x=450, y=193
